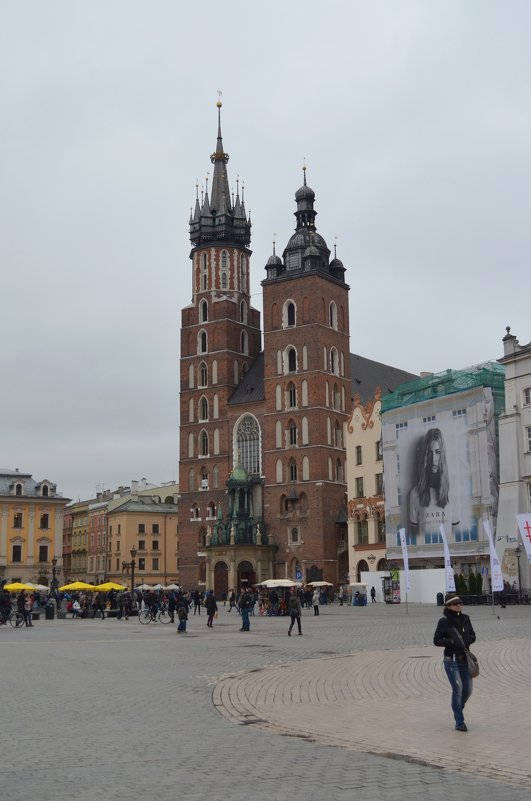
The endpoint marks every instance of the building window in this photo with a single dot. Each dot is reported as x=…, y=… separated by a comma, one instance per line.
x=459, y=413
x=141, y=563
x=291, y=314
x=18, y=489
x=363, y=532
x=141, y=528
x=292, y=433
x=155, y=528
x=292, y=470
x=203, y=311
x=379, y=451
x=155, y=563
x=292, y=396
x=44, y=520
x=202, y=342
x=17, y=520
x=332, y=310
x=292, y=360
x=223, y=279
x=527, y=396
x=203, y=443
x=400, y=427
x=16, y=553
x=141, y=545
x=379, y=483
x=359, y=487
x=247, y=444
x=43, y=553
x=294, y=534
x=428, y=420
x=203, y=375
x=380, y=531
x=358, y=454
x=45, y=491
x=203, y=408
x=528, y=438
x=155, y=545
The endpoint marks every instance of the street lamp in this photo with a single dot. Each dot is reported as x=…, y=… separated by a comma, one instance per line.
x=518, y=554
x=133, y=565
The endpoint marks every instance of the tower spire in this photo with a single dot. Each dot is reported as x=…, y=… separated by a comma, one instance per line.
x=220, y=197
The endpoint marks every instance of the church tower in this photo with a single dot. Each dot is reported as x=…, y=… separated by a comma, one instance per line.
x=220, y=339
x=307, y=400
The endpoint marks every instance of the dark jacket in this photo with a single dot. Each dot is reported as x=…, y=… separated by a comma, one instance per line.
x=210, y=604
x=294, y=606
x=445, y=634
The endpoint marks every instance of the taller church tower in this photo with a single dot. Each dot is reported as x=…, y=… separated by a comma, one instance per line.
x=220, y=339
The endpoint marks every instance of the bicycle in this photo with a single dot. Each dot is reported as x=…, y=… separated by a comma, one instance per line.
x=15, y=618
x=156, y=615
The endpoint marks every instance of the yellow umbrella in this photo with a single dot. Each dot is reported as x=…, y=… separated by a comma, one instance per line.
x=77, y=585
x=17, y=587
x=110, y=585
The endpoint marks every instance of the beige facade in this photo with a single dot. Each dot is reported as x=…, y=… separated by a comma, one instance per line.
x=31, y=528
x=366, y=517
x=150, y=529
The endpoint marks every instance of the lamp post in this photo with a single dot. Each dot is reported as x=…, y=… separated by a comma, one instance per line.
x=518, y=554
x=133, y=565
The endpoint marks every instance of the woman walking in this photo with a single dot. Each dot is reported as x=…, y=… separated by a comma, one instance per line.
x=294, y=611
x=454, y=633
x=211, y=607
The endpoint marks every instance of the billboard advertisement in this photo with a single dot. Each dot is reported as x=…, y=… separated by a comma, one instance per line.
x=440, y=468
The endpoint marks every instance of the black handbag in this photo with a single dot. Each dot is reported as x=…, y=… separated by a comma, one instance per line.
x=471, y=659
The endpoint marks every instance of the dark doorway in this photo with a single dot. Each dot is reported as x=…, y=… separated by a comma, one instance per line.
x=221, y=580
x=246, y=575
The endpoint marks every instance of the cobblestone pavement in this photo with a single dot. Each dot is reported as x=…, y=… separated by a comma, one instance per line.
x=356, y=708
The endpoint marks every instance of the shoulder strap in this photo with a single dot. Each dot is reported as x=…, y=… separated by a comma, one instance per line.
x=462, y=641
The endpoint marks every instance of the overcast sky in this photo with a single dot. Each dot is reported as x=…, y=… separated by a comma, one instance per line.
x=414, y=118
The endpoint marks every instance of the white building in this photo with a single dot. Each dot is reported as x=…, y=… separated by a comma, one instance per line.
x=515, y=457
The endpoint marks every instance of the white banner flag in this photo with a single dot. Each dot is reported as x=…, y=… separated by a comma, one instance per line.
x=450, y=581
x=496, y=577
x=403, y=543
x=524, y=524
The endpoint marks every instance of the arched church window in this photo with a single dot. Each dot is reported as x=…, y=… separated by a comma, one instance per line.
x=247, y=444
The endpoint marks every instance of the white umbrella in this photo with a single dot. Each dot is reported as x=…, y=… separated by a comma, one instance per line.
x=159, y=587
x=144, y=587
x=320, y=583
x=39, y=587
x=269, y=583
x=172, y=587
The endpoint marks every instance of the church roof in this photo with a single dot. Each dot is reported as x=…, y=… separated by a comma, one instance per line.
x=367, y=375
x=251, y=387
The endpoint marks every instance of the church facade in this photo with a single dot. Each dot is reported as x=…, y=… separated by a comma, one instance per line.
x=262, y=430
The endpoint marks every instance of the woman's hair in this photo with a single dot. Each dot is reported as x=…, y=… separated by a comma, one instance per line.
x=425, y=480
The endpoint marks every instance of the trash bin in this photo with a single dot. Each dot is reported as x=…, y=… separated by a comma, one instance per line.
x=440, y=599
x=49, y=612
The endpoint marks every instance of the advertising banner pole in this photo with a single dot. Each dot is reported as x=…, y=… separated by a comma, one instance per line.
x=403, y=543
x=496, y=578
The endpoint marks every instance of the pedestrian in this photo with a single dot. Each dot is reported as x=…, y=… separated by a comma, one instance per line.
x=454, y=633
x=373, y=595
x=211, y=607
x=76, y=608
x=172, y=605
x=26, y=610
x=294, y=611
x=232, y=601
x=182, y=614
x=196, y=597
x=246, y=601
x=99, y=606
x=341, y=596
x=315, y=601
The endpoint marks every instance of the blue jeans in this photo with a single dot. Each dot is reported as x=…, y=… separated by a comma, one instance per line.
x=461, y=683
x=245, y=620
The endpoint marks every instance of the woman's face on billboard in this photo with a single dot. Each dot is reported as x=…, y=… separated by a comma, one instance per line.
x=434, y=455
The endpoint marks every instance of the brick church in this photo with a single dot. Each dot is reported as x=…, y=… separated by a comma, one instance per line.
x=262, y=469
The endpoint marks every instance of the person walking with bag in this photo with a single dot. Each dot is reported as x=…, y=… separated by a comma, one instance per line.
x=294, y=611
x=455, y=634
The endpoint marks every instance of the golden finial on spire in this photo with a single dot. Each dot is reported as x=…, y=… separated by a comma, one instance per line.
x=219, y=103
